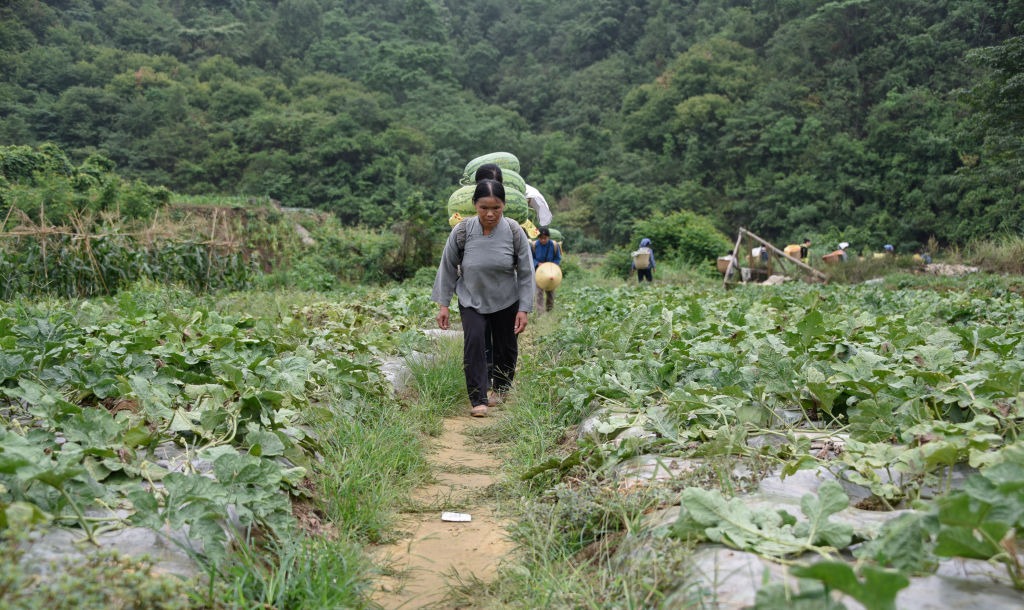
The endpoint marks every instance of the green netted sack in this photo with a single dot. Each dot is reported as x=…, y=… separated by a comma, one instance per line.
x=504, y=160
x=518, y=213
x=461, y=201
x=556, y=235
x=516, y=207
x=512, y=180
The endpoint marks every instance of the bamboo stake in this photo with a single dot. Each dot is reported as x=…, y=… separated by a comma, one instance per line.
x=10, y=210
x=42, y=242
x=209, y=249
x=87, y=241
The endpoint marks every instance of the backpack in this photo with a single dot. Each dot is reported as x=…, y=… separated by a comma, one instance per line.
x=642, y=258
x=533, y=247
x=517, y=238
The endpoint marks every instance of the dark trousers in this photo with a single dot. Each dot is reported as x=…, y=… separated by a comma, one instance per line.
x=642, y=274
x=501, y=325
x=545, y=295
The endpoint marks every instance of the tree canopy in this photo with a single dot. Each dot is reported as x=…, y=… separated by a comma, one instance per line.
x=892, y=120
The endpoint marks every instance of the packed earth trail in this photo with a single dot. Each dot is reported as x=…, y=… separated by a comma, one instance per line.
x=431, y=555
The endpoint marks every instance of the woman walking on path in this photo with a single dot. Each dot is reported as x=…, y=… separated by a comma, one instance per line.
x=488, y=265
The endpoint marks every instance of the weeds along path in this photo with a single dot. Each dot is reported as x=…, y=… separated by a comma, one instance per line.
x=431, y=555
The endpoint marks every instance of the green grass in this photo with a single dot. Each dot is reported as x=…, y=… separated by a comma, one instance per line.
x=372, y=457
x=1003, y=254
x=440, y=386
x=234, y=201
x=572, y=552
x=307, y=572
x=861, y=269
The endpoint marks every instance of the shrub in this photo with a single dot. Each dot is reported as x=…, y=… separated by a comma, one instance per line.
x=43, y=184
x=424, y=278
x=682, y=236
x=617, y=263
x=309, y=273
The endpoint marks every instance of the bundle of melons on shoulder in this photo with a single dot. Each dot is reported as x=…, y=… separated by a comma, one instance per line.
x=460, y=203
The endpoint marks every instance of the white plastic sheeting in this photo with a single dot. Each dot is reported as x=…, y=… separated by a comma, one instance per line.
x=540, y=205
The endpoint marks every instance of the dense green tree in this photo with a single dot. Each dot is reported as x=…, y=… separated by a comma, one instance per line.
x=694, y=96
x=992, y=141
x=827, y=117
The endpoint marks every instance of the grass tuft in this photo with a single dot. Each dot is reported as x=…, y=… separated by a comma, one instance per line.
x=370, y=460
x=1000, y=255
x=439, y=383
x=301, y=573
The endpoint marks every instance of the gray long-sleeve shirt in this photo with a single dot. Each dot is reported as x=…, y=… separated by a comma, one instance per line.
x=493, y=275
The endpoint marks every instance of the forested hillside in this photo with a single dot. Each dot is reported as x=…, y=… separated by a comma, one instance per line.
x=872, y=120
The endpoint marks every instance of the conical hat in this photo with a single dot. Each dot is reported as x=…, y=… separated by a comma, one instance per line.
x=549, y=276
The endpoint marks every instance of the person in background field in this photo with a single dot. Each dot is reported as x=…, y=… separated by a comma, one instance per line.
x=495, y=290
x=889, y=249
x=643, y=261
x=546, y=251
x=842, y=250
x=805, y=250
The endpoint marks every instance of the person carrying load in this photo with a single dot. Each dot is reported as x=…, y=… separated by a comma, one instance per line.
x=547, y=261
x=837, y=256
x=643, y=261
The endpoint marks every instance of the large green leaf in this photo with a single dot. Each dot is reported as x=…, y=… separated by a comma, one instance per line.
x=707, y=514
x=877, y=591
x=818, y=530
x=902, y=544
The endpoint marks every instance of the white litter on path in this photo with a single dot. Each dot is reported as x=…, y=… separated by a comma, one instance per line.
x=456, y=517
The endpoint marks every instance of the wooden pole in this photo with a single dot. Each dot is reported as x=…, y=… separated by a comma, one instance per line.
x=6, y=218
x=82, y=228
x=734, y=259
x=814, y=272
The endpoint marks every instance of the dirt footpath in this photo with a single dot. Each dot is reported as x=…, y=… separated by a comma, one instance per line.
x=432, y=554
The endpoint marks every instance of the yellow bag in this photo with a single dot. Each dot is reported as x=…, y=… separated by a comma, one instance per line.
x=531, y=230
